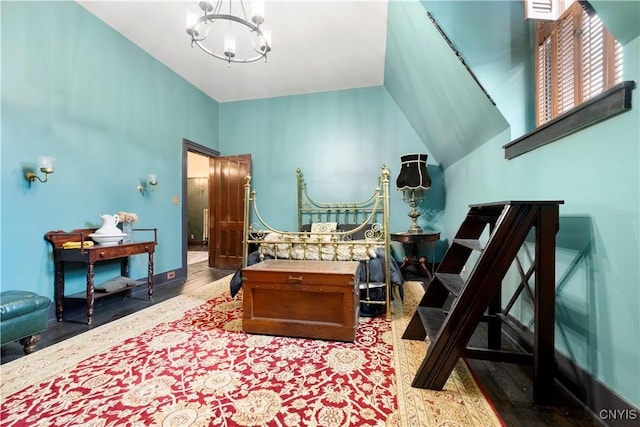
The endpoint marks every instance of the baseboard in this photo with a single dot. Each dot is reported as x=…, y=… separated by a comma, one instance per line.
x=162, y=279
x=605, y=405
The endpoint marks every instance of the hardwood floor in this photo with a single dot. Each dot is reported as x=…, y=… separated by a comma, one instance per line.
x=507, y=386
x=111, y=308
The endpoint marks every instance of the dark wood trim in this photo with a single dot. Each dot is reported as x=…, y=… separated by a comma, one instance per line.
x=603, y=403
x=205, y=151
x=608, y=104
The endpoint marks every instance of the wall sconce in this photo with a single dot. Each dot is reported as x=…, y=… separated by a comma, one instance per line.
x=46, y=167
x=152, y=181
x=414, y=182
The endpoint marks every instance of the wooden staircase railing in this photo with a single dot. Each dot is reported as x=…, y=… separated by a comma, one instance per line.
x=479, y=297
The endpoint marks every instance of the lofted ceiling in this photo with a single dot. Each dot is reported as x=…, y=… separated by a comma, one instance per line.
x=329, y=45
x=318, y=46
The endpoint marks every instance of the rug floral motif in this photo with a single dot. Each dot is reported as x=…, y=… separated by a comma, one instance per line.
x=188, y=363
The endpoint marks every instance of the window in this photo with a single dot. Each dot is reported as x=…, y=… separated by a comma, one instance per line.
x=576, y=59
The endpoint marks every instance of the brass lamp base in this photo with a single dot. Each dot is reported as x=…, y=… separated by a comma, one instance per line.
x=414, y=230
x=414, y=214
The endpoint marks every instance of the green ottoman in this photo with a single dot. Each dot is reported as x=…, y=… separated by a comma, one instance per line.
x=23, y=315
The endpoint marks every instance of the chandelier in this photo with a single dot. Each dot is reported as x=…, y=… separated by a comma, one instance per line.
x=214, y=29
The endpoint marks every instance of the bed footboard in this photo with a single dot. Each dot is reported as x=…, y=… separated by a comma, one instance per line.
x=353, y=231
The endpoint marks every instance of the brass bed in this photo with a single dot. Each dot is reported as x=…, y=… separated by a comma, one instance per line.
x=351, y=231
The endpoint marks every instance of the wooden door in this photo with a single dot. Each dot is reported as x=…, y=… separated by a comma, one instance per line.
x=226, y=209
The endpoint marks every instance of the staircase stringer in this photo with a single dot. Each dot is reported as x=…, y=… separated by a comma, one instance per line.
x=456, y=331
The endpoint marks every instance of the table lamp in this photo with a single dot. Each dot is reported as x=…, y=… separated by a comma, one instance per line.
x=414, y=182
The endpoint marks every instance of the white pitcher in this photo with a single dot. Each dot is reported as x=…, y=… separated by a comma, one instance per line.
x=109, y=223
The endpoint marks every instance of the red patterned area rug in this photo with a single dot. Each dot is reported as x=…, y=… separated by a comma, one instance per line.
x=186, y=362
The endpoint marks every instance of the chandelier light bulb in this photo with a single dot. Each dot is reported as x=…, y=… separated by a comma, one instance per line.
x=192, y=21
x=258, y=12
x=229, y=44
x=207, y=6
x=265, y=41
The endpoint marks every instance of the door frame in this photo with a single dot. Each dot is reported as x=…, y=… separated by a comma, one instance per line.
x=187, y=146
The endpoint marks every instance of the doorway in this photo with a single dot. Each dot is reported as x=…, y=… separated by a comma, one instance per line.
x=225, y=207
x=197, y=207
x=195, y=204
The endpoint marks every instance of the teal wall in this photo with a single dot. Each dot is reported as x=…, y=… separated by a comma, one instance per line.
x=338, y=139
x=441, y=100
x=498, y=55
x=75, y=89
x=621, y=17
x=595, y=171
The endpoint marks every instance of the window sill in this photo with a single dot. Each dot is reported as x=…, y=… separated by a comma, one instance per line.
x=608, y=104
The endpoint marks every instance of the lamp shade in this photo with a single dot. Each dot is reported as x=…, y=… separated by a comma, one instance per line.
x=413, y=173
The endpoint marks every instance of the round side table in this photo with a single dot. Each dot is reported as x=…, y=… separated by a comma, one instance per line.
x=414, y=239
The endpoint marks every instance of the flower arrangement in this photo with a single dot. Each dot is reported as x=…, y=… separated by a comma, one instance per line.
x=127, y=216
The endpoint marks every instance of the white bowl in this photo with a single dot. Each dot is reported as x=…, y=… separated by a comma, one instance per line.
x=107, y=239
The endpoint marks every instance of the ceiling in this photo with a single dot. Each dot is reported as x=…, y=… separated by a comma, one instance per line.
x=317, y=46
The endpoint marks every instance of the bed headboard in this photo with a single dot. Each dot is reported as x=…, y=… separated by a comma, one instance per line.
x=370, y=210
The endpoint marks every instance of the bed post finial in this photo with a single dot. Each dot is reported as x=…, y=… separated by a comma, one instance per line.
x=300, y=178
x=385, y=172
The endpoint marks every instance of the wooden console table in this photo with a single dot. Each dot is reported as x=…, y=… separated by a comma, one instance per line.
x=90, y=256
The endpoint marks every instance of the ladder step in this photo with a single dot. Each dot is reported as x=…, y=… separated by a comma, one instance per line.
x=487, y=214
x=483, y=217
x=473, y=244
x=432, y=319
x=489, y=206
x=453, y=282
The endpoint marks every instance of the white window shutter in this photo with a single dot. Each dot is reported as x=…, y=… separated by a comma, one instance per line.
x=566, y=65
x=545, y=99
x=545, y=10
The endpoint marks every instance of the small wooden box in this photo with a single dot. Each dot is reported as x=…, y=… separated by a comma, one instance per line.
x=309, y=299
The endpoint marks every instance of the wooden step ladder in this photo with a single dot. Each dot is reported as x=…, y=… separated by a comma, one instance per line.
x=479, y=297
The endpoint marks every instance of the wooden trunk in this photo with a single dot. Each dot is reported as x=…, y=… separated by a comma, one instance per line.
x=309, y=299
